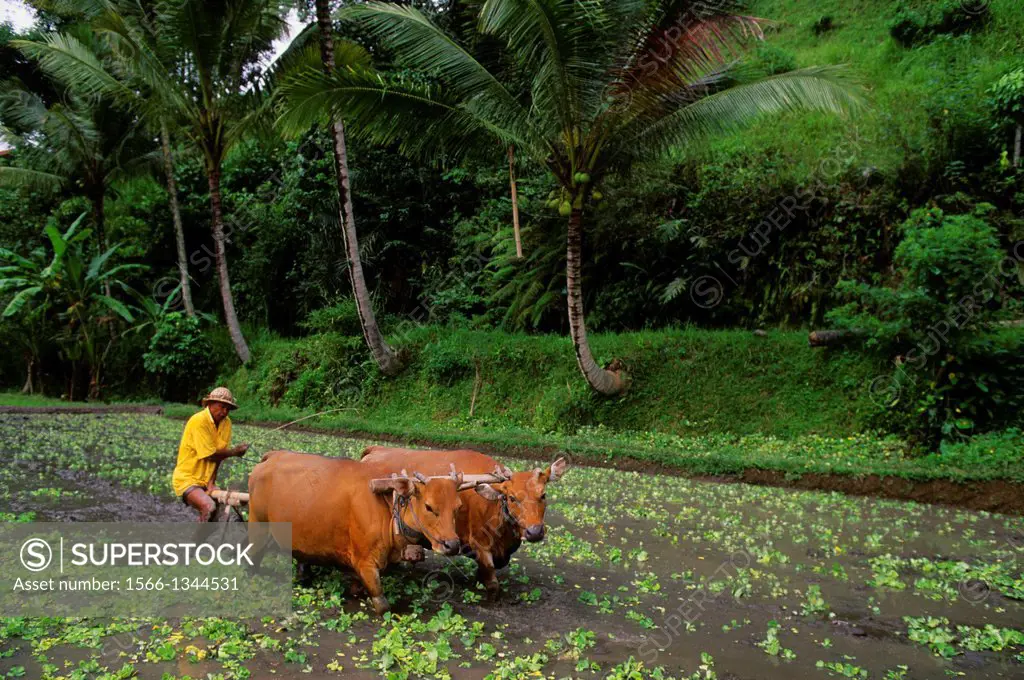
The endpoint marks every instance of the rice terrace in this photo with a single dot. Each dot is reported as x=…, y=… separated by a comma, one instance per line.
x=687, y=579
x=512, y=339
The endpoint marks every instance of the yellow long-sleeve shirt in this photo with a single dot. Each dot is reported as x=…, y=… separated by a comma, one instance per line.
x=200, y=440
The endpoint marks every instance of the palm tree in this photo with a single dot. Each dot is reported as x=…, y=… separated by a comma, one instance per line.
x=79, y=143
x=383, y=354
x=613, y=83
x=64, y=54
x=212, y=88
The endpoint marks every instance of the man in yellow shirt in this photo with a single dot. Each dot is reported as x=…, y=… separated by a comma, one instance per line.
x=204, y=444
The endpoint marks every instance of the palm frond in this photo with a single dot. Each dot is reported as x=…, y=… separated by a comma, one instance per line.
x=416, y=116
x=420, y=45
x=824, y=89
x=27, y=178
x=541, y=34
x=70, y=61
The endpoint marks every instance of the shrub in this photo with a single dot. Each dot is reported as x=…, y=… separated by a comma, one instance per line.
x=774, y=60
x=947, y=267
x=823, y=25
x=955, y=372
x=445, y=363
x=1007, y=102
x=912, y=26
x=181, y=357
x=341, y=317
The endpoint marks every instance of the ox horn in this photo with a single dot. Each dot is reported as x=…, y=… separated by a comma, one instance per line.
x=420, y=478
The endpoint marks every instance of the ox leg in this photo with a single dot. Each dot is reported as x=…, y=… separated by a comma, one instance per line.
x=486, y=573
x=304, y=574
x=259, y=537
x=369, y=574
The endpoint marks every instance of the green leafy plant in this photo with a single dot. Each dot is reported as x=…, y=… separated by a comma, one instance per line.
x=78, y=289
x=180, y=356
x=937, y=321
x=914, y=24
x=1007, y=97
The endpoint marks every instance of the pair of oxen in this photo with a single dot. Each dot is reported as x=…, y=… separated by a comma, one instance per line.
x=370, y=513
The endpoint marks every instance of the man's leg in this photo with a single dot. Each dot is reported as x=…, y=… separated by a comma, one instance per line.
x=207, y=507
x=197, y=498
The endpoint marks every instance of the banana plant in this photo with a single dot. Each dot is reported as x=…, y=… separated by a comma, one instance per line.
x=72, y=289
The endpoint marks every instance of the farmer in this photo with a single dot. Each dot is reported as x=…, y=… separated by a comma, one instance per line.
x=204, y=444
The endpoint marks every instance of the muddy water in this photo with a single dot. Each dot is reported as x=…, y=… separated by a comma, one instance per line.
x=662, y=570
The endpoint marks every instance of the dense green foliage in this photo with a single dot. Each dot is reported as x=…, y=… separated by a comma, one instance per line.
x=754, y=228
x=914, y=24
x=66, y=297
x=687, y=382
x=180, y=356
x=954, y=369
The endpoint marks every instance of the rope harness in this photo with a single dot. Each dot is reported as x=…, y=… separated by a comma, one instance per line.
x=506, y=511
x=401, y=527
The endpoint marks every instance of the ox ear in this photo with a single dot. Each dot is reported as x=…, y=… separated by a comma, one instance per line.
x=488, y=492
x=557, y=469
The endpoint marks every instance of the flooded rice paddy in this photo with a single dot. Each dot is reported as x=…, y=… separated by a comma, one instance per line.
x=640, y=576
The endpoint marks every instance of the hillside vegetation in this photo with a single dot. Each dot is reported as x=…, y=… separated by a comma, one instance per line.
x=685, y=382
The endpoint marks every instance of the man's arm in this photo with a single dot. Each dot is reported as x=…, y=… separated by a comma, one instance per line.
x=219, y=456
x=228, y=452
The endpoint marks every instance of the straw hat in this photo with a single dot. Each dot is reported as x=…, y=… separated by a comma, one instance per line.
x=223, y=395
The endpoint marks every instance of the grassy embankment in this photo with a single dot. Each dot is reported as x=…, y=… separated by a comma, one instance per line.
x=914, y=95
x=704, y=402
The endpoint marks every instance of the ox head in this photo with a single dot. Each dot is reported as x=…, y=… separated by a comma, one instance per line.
x=428, y=507
x=524, y=495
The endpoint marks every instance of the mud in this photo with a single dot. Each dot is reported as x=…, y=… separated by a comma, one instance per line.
x=92, y=499
x=659, y=569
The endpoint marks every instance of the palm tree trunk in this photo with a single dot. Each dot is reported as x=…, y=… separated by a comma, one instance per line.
x=383, y=354
x=515, y=201
x=94, y=383
x=213, y=176
x=29, y=388
x=97, y=198
x=1017, y=145
x=179, y=231
x=604, y=381
x=99, y=217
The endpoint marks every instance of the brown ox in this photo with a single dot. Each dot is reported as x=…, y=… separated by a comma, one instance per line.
x=493, y=521
x=337, y=519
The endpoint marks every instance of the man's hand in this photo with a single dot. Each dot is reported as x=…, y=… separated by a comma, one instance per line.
x=240, y=449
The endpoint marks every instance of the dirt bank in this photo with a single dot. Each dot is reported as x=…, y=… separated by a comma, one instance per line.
x=92, y=409
x=992, y=496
